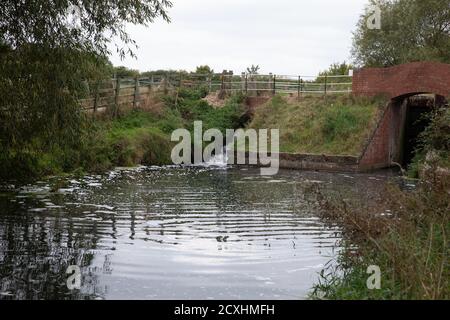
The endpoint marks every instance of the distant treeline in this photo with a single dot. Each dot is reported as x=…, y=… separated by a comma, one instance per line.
x=124, y=72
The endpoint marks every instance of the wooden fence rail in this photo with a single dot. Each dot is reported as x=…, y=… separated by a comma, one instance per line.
x=113, y=94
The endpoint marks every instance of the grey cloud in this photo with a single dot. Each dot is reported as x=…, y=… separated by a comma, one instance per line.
x=284, y=36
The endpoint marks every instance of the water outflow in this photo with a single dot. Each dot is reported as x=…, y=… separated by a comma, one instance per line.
x=219, y=160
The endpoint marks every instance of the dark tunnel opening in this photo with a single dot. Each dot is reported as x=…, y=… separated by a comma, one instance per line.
x=416, y=120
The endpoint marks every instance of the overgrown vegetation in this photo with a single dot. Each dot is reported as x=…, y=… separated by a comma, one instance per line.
x=405, y=233
x=47, y=51
x=435, y=144
x=191, y=106
x=336, y=69
x=411, y=30
x=141, y=136
x=319, y=125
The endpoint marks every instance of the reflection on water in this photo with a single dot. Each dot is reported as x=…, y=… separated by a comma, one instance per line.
x=170, y=233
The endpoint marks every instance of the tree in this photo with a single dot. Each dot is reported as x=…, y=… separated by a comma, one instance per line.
x=411, y=30
x=336, y=69
x=48, y=49
x=253, y=70
x=204, y=70
x=124, y=72
x=79, y=24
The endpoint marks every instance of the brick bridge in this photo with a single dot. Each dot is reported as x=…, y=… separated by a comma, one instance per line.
x=413, y=89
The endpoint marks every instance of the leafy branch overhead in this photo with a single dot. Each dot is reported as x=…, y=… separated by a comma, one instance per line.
x=77, y=24
x=411, y=30
x=253, y=70
x=48, y=50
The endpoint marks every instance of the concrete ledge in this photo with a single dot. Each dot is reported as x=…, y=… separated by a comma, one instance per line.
x=314, y=162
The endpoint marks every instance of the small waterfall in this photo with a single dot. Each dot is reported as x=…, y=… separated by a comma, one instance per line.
x=219, y=160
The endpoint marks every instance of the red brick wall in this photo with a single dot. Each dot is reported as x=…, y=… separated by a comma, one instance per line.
x=385, y=145
x=377, y=153
x=416, y=77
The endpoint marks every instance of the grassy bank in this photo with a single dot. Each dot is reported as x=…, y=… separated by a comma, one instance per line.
x=135, y=137
x=404, y=233
x=332, y=125
x=337, y=125
x=406, y=238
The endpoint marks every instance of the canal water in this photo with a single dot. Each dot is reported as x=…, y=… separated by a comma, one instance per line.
x=208, y=232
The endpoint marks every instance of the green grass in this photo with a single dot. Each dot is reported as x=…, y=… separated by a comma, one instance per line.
x=410, y=246
x=134, y=138
x=143, y=137
x=337, y=125
x=189, y=104
x=140, y=138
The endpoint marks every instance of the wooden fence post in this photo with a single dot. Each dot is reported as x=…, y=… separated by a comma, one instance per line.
x=150, y=85
x=246, y=84
x=271, y=79
x=274, y=84
x=136, y=92
x=97, y=85
x=326, y=82
x=299, y=89
x=165, y=80
x=116, y=97
x=302, y=86
x=222, y=86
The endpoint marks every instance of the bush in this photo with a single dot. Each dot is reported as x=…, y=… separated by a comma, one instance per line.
x=405, y=235
x=190, y=105
x=434, y=142
x=332, y=125
x=135, y=137
x=340, y=122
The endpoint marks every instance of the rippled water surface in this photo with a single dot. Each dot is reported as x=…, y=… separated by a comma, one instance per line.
x=170, y=233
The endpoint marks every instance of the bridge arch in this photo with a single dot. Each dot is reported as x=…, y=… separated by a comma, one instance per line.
x=413, y=89
x=395, y=138
x=403, y=80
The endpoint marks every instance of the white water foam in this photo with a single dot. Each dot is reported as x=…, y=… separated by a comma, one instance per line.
x=219, y=160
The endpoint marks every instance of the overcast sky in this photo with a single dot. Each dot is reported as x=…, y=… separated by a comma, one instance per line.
x=290, y=37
